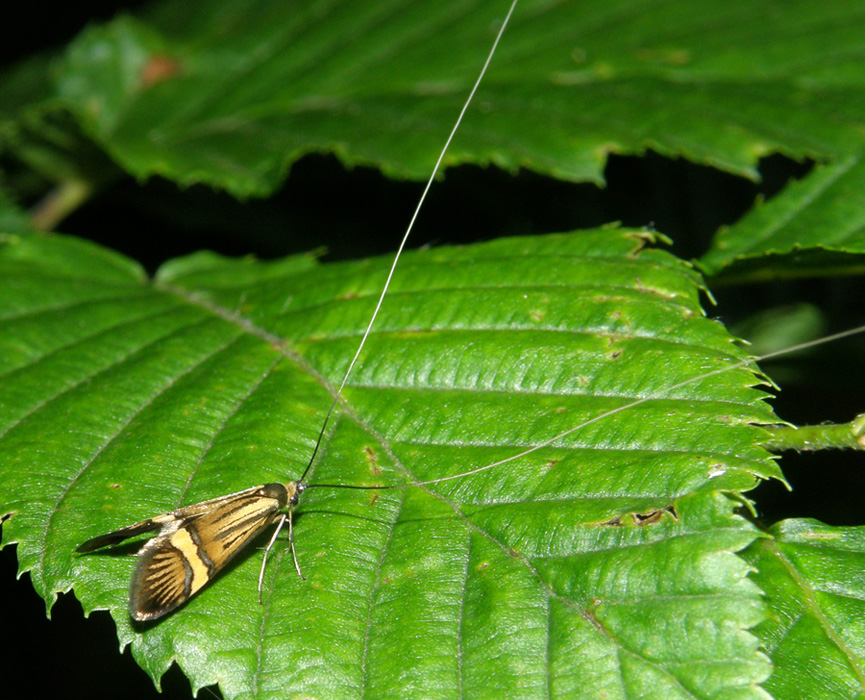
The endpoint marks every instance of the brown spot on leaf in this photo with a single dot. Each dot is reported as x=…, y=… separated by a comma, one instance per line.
x=158, y=69
x=589, y=614
x=372, y=460
x=641, y=239
x=642, y=519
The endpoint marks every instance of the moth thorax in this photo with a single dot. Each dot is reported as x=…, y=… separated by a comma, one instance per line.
x=279, y=492
x=284, y=493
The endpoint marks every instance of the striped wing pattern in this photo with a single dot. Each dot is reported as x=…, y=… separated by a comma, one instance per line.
x=175, y=565
x=193, y=544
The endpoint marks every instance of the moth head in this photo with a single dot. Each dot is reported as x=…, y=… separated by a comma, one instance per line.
x=294, y=489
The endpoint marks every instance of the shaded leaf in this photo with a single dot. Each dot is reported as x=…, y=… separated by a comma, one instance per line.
x=13, y=219
x=231, y=93
x=815, y=227
x=601, y=564
x=781, y=327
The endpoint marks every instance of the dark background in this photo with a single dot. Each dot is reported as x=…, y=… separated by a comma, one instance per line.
x=359, y=213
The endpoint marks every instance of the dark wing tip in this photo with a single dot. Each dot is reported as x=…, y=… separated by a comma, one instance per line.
x=98, y=543
x=145, y=606
x=148, y=615
x=118, y=536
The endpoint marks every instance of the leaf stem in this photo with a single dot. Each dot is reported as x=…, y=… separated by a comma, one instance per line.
x=810, y=438
x=61, y=201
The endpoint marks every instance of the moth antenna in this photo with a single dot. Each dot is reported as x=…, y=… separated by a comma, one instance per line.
x=405, y=238
x=207, y=688
x=606, y=414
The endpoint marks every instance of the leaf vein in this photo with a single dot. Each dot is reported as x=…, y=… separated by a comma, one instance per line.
x=46, y=532
x=119, y=361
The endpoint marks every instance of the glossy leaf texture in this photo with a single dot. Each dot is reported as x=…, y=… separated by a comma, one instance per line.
x=231, y=93
x=602, y=565
x=813, y=576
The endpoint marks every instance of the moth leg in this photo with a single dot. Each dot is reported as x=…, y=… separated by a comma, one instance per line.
x=291, y=543
x=266, y=552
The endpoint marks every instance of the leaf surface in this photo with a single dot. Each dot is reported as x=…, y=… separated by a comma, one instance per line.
x=812, y=574
x=601, y=564
x=815, y=227
x=231, y=93
x=13, y=219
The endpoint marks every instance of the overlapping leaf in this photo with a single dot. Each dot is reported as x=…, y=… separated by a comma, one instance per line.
x=813, y=575
x=602, y=564
x=231, y=93
x=816, y=226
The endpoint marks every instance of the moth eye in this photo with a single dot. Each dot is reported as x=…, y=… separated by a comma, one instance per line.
x=294, y=500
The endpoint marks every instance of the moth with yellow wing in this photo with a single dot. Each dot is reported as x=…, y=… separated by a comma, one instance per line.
x=195, y=542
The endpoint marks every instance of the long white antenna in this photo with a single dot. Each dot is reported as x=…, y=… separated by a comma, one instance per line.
x=607, y=414
x=405, y=238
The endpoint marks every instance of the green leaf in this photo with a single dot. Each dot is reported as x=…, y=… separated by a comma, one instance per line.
x=27, y=85
x=13, y=219
x=38, y=132
x=230, y=93
x=816, y=226
x=813, y=577
x=603, y=564
x=781, y=327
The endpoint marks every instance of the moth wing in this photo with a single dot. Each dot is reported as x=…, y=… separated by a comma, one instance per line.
x=124, y=533
x=191, y=549
x=167, y=519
